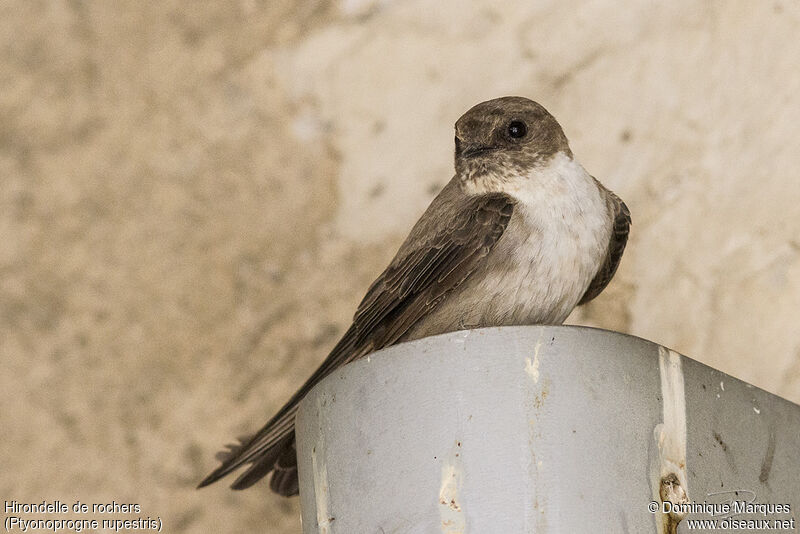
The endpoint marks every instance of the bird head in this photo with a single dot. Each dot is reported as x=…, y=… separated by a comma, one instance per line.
x=506, y=137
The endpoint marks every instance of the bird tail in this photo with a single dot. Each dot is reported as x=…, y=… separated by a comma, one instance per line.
x=281, y=460
x=273, y=448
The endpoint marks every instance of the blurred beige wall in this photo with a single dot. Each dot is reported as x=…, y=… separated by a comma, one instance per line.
x=195, y=195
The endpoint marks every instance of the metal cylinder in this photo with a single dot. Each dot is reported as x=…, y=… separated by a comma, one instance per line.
x=536, y=429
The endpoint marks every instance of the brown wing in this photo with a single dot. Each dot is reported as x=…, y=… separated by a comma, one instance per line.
x=616, y=246
x=430, y=263
x=417, y=280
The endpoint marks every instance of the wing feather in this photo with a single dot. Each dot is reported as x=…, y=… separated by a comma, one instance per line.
x=427, y=267
x=616, y=246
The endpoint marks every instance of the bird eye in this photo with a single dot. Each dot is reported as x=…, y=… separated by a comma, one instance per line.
x=517, y=129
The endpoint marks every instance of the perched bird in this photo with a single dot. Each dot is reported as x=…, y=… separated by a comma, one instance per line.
x=520, y=235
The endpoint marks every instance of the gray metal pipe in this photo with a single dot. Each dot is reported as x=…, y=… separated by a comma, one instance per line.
x=540, y=429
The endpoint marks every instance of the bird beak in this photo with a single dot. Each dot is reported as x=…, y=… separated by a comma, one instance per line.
x=468, y=150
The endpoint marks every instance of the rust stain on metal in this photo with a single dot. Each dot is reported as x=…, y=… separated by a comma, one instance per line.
x=719, y=440
x=766, y=465
x=537, y=393
x=672, y=491
x=538, y=400
x=668, y=467
x=450, y=512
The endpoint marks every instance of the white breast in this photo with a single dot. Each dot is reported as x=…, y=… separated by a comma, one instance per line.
x=569, y=227
x=550, y=252
x=544, y=262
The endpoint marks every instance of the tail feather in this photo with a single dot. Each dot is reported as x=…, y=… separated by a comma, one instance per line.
x=284, y=479
x=273, y=447
x=262, y=467
x=232, y=449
